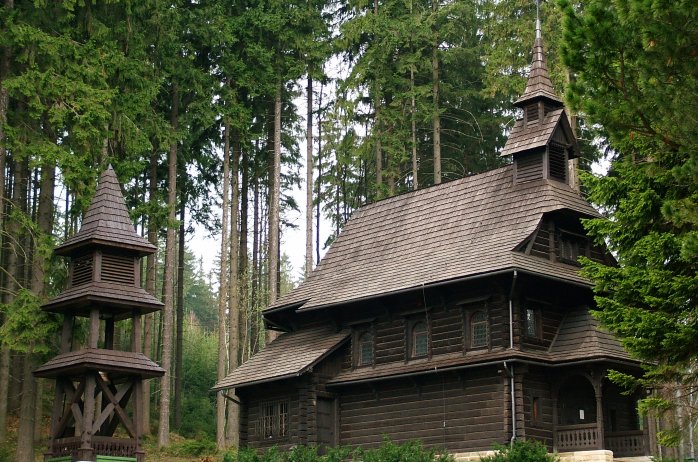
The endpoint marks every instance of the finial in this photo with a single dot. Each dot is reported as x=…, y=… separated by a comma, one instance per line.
x=538, y=35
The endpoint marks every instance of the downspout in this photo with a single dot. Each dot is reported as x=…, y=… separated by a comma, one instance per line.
x=511, y=346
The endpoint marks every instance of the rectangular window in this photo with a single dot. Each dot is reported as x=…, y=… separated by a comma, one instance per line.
x=478, y=330
x=419, y=338
x=532, y=323
x=274, y=419
x=365, y=349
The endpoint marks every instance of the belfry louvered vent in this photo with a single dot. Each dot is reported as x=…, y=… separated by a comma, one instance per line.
x=529, y=167
x=82, y=270
x=558, y=162
x=117, y=268
x=532, y=114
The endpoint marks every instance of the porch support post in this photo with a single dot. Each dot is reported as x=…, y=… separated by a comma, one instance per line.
x=598, y=393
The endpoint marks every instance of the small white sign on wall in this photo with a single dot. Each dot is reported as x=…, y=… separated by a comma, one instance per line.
x=581, y=414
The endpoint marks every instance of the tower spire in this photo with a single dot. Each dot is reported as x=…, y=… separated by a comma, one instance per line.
x=539, y=85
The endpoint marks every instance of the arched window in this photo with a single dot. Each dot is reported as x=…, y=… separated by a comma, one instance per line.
x=365, y=349
x=420, y=339
x=478, y=330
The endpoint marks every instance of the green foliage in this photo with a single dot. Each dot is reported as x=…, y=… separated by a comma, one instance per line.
x=198, y=376
x=388, y=451
x=26, y=328
x=191, y=447
x=521, y=451
x=412, y=451
x=636, y=77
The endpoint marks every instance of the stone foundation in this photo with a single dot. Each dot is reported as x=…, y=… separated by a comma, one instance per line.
x=599, y=455
x=576, y=456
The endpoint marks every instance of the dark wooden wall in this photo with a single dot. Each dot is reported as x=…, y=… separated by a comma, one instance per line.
x=456, y=411
x=537, y=386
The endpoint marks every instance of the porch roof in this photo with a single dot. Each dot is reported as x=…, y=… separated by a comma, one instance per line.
x=580, y=335
x=290, y=355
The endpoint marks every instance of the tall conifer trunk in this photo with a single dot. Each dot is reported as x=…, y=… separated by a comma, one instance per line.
x=179, y=360
x=274, y=197
x=168, y=278
x=254, y=324
x=244, y=265
x=233, y=291
x=223, y=291
x=4, y=103
x=309, y=181
x=436, y=118
x=150, y=286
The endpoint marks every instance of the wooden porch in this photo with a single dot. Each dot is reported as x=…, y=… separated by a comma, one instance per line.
x=568, y=438
x=102, y=445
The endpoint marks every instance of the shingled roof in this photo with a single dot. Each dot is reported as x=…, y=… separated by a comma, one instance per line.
x=290, y=355
x=580, y=336
x=537, y=135
x=454, y=230
x=75, y=363
x=538, y=84
x=118, y=299
x=107, y=221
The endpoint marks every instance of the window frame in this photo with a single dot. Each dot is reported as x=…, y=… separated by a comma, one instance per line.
x=538, y=326
x=275, y=424
x=358, y=351
x=411, y=341
x=471, y=329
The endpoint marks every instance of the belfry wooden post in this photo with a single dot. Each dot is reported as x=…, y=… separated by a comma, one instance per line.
x=95, y=382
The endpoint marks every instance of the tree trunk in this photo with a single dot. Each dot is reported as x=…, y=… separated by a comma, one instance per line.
x=232, y=427
x=413, y=117
x=436, y=118
x=319, y=174
x=4, y=102
x=274, y=197
x=243, y=287
x=309, y=182
x=150, y=274
x=223, y=292
x=254, y=323
x=376, y=129
x=180, y=319
x=168, y=289
x=25, y=433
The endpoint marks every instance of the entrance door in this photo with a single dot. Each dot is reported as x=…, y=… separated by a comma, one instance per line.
x=326, y=423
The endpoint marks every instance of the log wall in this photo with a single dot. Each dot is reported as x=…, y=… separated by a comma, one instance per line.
x=457, y=411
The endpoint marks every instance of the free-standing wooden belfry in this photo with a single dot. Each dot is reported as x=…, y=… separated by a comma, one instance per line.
x=98, y=400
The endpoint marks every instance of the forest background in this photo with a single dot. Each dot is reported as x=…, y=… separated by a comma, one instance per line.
x=195, y=104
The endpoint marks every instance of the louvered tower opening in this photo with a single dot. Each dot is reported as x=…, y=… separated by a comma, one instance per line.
x=557, y=159
x=118, y=268
x=529, y=167
x=531, y=114
x=82, y=270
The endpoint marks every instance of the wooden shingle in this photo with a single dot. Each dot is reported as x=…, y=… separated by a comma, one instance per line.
x=107, y=222
x=290, y=355
x=117, y=299
x=75, y=363
x=454, y=230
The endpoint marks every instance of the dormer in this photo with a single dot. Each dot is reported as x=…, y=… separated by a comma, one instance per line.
x=541, y=141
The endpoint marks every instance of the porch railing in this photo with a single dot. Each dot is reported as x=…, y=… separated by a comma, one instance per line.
x=576, y=437
x=626, y=444
x=101, y=445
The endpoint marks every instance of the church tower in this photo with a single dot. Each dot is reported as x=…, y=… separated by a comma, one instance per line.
x=542, y=141
x=98, y=398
